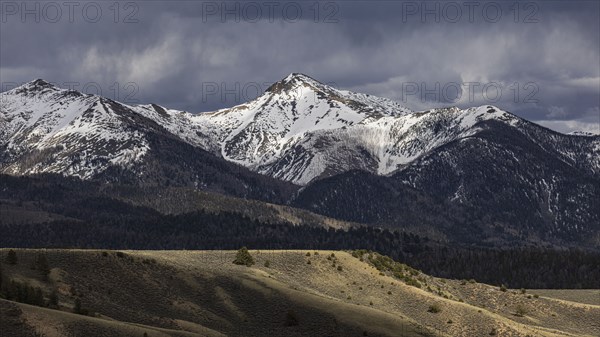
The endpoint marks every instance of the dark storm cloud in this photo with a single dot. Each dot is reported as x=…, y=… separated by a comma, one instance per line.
x=543, y=56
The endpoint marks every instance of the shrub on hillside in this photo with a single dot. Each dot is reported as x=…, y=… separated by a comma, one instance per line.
x=434, y=308
x=520, y=311
x=412, y=282
x=243, y=257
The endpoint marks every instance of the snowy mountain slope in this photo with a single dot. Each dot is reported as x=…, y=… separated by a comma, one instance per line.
x=257, y=134
x=380, y=146
x=47, y=129
x=262, y=133
x=386, y=145
x=299, y=130
x=581, y=152
x=497, y=186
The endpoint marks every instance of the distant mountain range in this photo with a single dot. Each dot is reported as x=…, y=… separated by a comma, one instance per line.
x=479, y=175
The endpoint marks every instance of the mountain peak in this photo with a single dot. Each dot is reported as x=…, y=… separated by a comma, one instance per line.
x=36, y=85
x=299, y=77
x=40, y=84
x=292, y=81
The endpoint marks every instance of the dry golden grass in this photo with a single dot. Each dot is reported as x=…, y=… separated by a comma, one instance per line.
x=202, y=293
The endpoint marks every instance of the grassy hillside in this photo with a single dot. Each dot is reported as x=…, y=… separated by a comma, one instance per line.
x=298, y=293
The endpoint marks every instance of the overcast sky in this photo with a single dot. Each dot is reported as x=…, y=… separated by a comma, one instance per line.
x=539, y=60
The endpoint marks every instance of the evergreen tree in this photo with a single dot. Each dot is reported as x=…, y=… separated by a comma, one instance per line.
x=77, y=308
x=11, y=258
x=53, y=301
x=243, y=257
x=41, y=264
x=38, y=297
x=2, y=284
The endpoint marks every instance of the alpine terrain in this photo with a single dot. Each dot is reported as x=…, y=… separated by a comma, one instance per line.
x=478, y=175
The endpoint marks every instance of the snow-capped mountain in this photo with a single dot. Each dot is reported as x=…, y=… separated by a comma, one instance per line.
x=500, y=184
x=45, y=129
x=269, y=134
x=299, y=130
x=48, y=129
x=453, y=170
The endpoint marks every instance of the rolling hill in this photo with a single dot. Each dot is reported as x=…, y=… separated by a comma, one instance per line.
x=200, y=293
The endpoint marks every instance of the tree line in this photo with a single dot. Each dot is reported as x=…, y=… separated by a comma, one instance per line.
x=531, y=267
